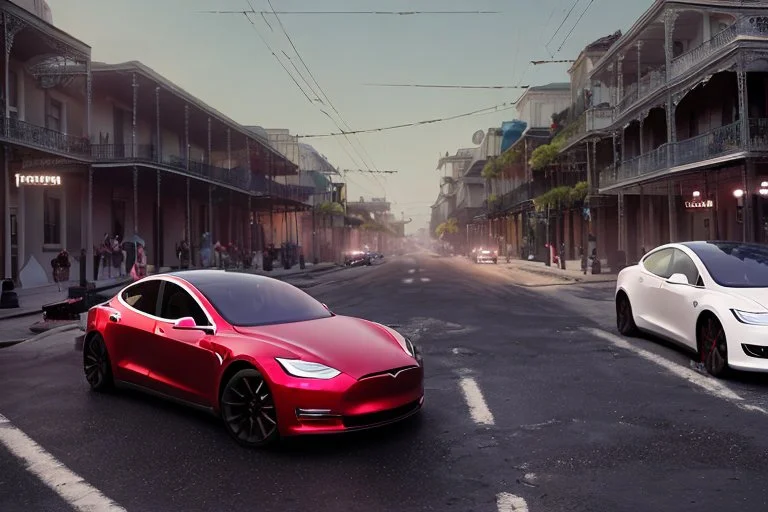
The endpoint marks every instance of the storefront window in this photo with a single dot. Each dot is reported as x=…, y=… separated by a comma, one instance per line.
x=51, y=219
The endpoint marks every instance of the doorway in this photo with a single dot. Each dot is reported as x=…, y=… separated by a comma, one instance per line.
x=118, y=219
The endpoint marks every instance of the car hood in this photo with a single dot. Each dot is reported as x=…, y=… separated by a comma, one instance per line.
x=351, y=345
x=758, y=295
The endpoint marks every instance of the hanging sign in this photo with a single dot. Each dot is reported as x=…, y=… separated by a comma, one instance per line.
x=38, y=180
x=698, y=205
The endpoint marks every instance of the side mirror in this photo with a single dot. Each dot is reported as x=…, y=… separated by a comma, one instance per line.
x=188, y=324
x=678, y=279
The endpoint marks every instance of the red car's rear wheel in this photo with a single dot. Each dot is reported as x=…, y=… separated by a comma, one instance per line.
x=248, y=409
x=98, y=370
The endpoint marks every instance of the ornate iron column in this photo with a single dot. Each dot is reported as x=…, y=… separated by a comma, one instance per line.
x=186, y=136
x=188, y=223
x=88, y=98
x=741, y=79
x=210, y=214
x=135, y=200
x=229, y=150
x=639, y=46
x=672, y=206
x=622, y=226
x=159, y=238
x=158, y=135
x=249, y=227
x=135, y=86
x=620, y=77
x=670, y=16
x=89, y=270
x=209, y=141
x=7, y=268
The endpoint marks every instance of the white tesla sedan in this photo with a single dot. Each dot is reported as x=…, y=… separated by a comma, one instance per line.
x=711, y=297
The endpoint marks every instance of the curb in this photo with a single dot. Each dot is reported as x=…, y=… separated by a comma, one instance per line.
x=43, y=335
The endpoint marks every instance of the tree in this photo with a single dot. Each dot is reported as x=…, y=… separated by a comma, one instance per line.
x=449, y=227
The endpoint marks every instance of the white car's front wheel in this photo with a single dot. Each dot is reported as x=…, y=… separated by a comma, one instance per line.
x=625, y=319
x=712, y=345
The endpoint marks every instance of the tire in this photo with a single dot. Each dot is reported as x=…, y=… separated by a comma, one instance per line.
x=96, y=364
x=625, y=319
x=712, y=346
x=248, y=410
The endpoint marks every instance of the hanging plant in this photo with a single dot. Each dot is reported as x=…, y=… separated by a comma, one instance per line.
x=543, y=156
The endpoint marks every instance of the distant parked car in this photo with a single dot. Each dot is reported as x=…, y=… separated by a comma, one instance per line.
x=357, y=258
x=711, y=297
x=481, y=255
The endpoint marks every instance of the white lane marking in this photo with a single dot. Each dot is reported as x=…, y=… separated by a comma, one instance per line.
x=412, y=271
x=477, y=406
x=408, y=280
x=710, y=385
x=506, y=502
x=425, y=279
x=72, y=488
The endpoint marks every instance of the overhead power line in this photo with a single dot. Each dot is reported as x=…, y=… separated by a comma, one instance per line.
x=441, y=86
x=568, y=15
x=565, y=61
x=495, y=108
x=384, y=13
x=575, y=24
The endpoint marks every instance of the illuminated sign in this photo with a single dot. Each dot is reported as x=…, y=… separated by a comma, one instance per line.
x=699, y=204
x=38, y=179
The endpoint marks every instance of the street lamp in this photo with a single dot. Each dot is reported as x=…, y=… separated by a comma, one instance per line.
x=738, y=193
x=696, y=194
x=764, y=188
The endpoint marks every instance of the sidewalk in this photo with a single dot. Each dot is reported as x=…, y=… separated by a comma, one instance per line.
x=572, y=275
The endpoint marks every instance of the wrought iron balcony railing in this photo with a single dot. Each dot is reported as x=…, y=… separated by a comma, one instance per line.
x=714, y=143
x=43, y=138
x=593, y=119
x=744, y=27
x=649, y=83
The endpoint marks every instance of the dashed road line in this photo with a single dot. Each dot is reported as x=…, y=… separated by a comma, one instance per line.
x=408, y=280
x=507, y=502
x=710, y=385
x=69, y=486
x=477, y=406
x=425, y=279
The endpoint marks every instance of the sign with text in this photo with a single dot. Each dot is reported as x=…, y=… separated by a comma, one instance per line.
x=698, y=205
x=49, y=180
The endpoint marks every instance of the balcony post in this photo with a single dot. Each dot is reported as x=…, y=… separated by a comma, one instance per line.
x=7, y=269
x=670, y=16
x=249, y=178
x=188, y=223
x=229, y=218
x=642, y=217
x=158, y=231
x=89, y=270
x=135, y=86
x=622, y=226
x=249, y=227
x=619, y=79
x=158, y=135
x=639, y=45
x=741, y=79
x=210, y=215
x=229, y=150
x=748, y=177
x=672, y=206
x=209, y=141
x=642, y=122
x=135, y=200
x=186, y=137
x=671, y=131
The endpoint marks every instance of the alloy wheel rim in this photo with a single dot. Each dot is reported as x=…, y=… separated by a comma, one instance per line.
x=715, y=349
x=95, y=362
x=249, y=410
x=623, y=313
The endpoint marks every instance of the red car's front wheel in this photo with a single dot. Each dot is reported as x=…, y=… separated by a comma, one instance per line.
x=248, y=409
x=98, y=370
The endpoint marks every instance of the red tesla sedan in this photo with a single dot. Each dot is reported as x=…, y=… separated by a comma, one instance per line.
x=262, y=354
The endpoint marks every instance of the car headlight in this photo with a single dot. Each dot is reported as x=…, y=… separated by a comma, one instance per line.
x=307, y=369
x=409, y=348
x=747, y=317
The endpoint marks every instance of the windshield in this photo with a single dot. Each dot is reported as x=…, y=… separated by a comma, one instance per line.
x=734, y=265
x=247, y=300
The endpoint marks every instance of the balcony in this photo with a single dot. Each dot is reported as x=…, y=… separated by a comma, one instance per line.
x=43, y=138
x=146, y=153
x=594, y=119
x=751, y=26
x=715, y=143
x=649, y=83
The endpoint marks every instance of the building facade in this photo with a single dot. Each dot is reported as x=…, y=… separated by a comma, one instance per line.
x=92, y=150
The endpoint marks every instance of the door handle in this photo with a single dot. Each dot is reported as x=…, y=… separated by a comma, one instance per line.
x=159, y=330
x=114, y=316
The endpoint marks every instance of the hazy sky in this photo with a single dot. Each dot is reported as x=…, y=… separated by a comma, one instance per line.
x=220, y=59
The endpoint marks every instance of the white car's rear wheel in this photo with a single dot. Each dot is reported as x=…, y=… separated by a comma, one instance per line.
x=713, y=348
x=625, y=319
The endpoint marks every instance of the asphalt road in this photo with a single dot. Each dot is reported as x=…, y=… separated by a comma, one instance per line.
x=529, y=395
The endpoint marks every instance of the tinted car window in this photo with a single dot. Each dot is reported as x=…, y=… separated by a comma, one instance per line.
x=734, y=265
x=247, y=300
x=177, y=303
x=659, y=263
x=143, y=296
x=683, y=264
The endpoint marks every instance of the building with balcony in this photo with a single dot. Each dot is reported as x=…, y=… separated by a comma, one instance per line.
x=687, y=131
x=92, y=149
